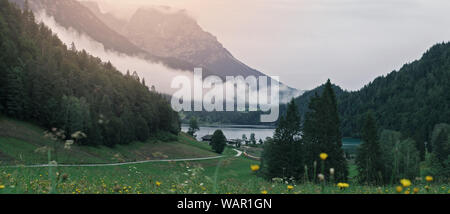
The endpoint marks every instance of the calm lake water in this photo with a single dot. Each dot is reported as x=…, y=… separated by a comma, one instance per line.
x=261, y=132
x=234, y=131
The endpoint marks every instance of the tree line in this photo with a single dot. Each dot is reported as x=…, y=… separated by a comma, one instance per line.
x=45, y=82
x=312, y=151
x=411, y=101
x=294, y=151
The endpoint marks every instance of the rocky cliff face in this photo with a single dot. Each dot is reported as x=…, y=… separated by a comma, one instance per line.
x=166, y=32
x=169, y=33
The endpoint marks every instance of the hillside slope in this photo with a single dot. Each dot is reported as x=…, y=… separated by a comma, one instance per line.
x=24, y=143
x=412, y=100
x=44, y=82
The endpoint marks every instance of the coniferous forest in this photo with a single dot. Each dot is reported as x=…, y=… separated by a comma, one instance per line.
x=51, y=93
x=411, y=101
x=44, y=81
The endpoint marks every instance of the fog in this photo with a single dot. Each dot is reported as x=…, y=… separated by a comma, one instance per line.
x=155, y=74
x=305, y=42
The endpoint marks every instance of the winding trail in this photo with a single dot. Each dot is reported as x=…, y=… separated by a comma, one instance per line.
x=239, y=153
x=112, y=164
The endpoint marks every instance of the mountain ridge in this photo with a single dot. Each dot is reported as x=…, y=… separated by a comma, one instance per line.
x=72, y=14
x=411, y=100
x=157, y=30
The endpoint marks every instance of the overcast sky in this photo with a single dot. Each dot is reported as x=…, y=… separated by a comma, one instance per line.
x=305, y=42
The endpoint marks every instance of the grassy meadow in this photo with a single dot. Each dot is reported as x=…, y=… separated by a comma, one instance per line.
x=20, y=143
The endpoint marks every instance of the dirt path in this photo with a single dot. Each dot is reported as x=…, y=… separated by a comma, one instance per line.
x=239, y=153
x=113, y=164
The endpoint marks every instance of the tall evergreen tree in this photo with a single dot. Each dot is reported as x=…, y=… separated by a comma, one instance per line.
x=283, y=155
x=321, y=134
x=142, y=130
x=14, y=90
x=368, y=159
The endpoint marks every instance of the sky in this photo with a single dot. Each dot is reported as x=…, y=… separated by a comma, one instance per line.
x=305, y=42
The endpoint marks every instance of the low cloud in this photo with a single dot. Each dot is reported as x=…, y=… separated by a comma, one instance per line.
x=154, y=73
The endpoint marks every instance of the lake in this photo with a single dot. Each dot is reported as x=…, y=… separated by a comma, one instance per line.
x=261, y=132
x=235, y=131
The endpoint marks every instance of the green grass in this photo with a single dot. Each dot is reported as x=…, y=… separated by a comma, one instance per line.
x=229, y=174
x=20, y=141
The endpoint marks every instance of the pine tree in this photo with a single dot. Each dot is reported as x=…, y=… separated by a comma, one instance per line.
x=283, y=155
x=74, y=115
x=73, y=48
x=321, y=134
x=142, y=130
x=368, y=159
x=14, y=90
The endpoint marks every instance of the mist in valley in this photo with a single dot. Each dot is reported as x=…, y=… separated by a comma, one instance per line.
x=155, y=74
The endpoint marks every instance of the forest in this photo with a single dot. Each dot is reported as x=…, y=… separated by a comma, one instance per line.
x=55, y=86
x=411, y=101
x=311, y=151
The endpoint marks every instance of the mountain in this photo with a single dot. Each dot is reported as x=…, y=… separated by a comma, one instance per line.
x=72, y=14
x=412, y=100
x=168, y=32
x=171, y=38
x=173, y=33
x=68, y=91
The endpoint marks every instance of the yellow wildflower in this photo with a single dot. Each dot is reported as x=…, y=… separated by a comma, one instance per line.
x=405, y=182
x=254, y=168
x=158, y=183
x=429, y=178
x=2, y=186
x=343, y=185
x=290, y=187
x=399, y=189
x=323, y=156
x=264, y=192
x=415, y=190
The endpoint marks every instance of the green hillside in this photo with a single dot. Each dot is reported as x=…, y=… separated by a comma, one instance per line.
x=412, y=100
x=45, y=82
x=21, y=142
